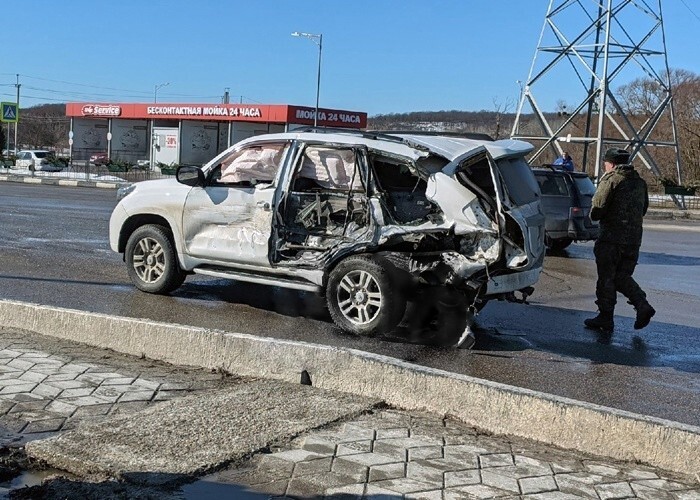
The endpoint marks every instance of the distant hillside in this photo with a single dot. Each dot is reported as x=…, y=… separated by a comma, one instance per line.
x=493, y=123
x=42, y=126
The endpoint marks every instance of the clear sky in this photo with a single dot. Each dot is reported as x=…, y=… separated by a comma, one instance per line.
x=379, y=56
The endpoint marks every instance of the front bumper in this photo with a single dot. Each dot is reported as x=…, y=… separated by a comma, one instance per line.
x=116, y=221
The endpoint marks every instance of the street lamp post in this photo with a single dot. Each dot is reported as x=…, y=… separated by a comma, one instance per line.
x=318, y=40
x=155, y=91
x=153, y=136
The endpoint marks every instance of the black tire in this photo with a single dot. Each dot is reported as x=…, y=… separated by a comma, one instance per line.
x=365, y=296
x=558, y=244
x=151, y=260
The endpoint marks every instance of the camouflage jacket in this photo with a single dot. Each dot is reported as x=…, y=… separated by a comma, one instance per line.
x=620, y=202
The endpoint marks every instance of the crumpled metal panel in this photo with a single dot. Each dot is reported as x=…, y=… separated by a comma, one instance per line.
x=228, y=224
x=459, y=204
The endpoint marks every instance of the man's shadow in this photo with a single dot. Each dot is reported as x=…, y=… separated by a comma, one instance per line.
x=645, y=258
x=513, y=327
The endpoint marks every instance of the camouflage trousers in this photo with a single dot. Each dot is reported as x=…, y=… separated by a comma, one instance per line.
x=616, y=263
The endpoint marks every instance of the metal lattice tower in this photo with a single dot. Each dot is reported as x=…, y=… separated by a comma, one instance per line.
x=592, y=45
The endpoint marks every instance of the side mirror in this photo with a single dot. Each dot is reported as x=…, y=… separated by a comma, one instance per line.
x=190, y=175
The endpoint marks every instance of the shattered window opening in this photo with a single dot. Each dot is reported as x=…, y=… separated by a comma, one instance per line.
x=518, y=180
x=328, y=169
x=404, y=199
x=253, y=164
x=475, y=175
x=327, y=205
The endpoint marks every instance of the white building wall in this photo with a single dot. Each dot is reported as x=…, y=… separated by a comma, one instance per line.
x=89, y=137
x=129, y=140
x=167, y=141
x=199, y=142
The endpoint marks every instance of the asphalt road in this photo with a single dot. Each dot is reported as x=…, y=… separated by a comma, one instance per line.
x=54, y=250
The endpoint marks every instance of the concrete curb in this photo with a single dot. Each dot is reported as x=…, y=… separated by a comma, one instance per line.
x=671, y=214
x=493, y=407
x=61, y=181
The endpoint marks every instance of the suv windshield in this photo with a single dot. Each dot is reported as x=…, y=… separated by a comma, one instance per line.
x=520, y=183
x=584, y=185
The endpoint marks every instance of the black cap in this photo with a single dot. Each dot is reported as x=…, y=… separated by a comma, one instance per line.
x=617, y=156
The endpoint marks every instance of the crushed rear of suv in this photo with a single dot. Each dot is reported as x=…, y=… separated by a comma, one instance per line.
x=566, y=203
x=368, y=219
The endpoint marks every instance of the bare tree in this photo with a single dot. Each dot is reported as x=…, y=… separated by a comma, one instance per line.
x=641, y=97
x=500, y=109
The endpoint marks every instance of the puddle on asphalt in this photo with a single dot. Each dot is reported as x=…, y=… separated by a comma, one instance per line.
x=26, y=479
x=209, y=490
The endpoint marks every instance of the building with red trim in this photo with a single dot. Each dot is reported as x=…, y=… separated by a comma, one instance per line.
x=185, y=133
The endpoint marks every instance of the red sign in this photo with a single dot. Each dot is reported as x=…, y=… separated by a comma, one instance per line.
x=101, y=110
x=327, y=117
x=258, y=113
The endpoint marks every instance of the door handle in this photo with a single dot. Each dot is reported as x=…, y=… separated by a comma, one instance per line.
x=264, y=205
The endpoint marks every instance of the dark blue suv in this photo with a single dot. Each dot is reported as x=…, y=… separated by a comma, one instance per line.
x=566, y=203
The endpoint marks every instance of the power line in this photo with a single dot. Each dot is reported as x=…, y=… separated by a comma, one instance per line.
x=58, y=101
x=691, y=10
x=117, y=95
x=86, y=85
x=99, y=87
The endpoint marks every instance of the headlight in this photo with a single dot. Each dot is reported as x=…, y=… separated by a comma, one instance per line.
x=123, y=191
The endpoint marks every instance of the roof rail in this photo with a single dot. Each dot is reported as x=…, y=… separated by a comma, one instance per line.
x=559, y=168
x=463, y=135
x=367, y=134
x=552, y=166
x=392, y=134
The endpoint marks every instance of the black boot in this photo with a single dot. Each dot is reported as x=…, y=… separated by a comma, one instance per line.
x=644, y=314
x=602, y=323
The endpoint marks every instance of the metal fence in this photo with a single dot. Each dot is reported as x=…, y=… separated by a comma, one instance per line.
x=666, y=201
x=85, y=171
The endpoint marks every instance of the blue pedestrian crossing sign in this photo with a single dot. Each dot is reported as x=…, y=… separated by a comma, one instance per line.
x=8, y=112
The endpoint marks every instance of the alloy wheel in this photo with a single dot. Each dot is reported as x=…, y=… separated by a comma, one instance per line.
x=149, y=260
x=359, y=297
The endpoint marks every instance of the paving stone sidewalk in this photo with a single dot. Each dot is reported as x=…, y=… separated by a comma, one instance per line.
x=48, y=386
x=394, y=454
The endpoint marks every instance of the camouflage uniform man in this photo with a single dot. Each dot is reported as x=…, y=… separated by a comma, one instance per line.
x=620, y=202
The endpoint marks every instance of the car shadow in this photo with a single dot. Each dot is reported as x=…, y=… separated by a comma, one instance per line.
x=284, y=301
x=502, y=327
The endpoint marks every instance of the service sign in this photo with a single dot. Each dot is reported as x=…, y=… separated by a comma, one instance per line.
x=101, y=110
x=256, y=113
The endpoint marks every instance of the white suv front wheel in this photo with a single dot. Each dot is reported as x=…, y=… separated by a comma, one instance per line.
x=363, y=296
x=151, y=260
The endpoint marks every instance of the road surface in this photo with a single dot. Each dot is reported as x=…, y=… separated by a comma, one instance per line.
x=54, y=250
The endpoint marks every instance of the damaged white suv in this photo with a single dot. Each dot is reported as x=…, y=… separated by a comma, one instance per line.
x=366, y=218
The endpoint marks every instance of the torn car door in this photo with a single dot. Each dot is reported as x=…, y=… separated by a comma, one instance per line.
x=324, y=208
x=472, y=204
x=230, y=219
